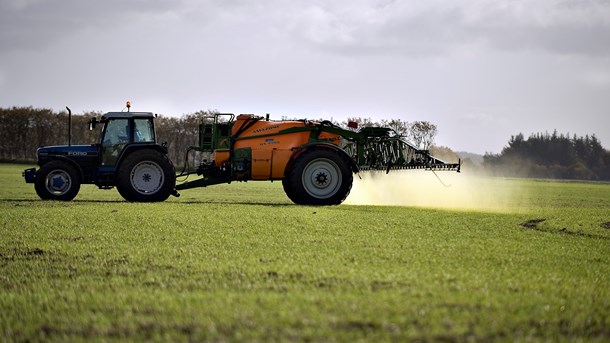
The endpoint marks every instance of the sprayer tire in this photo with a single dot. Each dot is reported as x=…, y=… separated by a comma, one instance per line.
x=146, y=176
x=57, y=180
x=318, y=177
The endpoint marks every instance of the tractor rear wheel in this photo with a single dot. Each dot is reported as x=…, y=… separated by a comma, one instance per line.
x=318, y=177
x=146, y=176
x=57, y=180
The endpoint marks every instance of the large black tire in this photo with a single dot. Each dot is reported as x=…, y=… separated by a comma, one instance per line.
x=318, y=177
x=57, y=180
x=146, y=176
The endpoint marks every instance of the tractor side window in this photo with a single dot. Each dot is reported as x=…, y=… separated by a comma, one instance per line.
x=117, y=131
x=116, y=135
x=143, y=131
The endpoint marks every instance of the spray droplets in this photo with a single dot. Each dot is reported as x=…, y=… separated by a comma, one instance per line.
x=422, y=189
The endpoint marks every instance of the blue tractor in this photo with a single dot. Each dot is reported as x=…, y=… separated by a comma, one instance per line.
x=126, y=156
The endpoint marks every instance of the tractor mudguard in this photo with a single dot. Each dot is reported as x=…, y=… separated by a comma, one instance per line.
x=31, y=173
x=322, y=146
x=131, y=148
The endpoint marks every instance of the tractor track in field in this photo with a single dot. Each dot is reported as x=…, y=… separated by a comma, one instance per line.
x=532, y=224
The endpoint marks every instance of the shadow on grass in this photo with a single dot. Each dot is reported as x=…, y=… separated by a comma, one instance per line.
x=189, y=202
x=224, y=202
x=57, y=201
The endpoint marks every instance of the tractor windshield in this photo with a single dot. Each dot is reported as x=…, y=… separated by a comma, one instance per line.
x=115, y=137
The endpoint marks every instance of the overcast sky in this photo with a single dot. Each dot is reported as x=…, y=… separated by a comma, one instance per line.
x=480, y=70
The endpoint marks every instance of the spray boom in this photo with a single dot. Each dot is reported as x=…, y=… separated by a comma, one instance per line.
x=379, y=148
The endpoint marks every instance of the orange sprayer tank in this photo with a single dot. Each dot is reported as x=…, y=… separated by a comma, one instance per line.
x=272, y=144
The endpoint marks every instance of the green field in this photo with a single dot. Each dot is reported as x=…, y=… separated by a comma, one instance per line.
x=239, y=262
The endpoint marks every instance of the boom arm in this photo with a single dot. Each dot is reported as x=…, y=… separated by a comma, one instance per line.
x=379, y=148
x=383, y=149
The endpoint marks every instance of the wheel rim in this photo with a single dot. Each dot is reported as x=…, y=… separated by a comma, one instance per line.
x=322, y=178
x=146, y=177
x=58, y=182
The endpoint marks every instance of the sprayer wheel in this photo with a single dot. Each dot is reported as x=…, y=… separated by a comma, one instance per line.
x=318, y=177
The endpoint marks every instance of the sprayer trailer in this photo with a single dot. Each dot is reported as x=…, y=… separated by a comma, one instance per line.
x=314, y=160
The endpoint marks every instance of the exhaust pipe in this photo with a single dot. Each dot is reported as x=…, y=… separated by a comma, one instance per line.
x=69, y=126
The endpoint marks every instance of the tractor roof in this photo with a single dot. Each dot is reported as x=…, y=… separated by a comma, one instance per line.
x=128, y=115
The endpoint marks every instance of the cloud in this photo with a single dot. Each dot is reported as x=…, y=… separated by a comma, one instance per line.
x=556, y=27
x=356, y=27
x=441, y=27
x=36, y=24
x=379, y=30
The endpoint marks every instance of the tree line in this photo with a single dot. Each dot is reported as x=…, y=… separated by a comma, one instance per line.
x=24, y=129
x=551, y=155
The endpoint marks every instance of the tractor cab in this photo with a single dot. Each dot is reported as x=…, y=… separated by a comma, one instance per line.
x=122, y=129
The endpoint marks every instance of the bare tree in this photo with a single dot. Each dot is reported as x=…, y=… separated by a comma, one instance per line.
x=401, y=127
x=362, y=122
x=422, y=134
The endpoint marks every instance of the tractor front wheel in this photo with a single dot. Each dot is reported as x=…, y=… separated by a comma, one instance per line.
x=318, y=177
x=57, y=180
x=146, y=176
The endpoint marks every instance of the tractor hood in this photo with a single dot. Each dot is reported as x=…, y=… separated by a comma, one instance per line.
x=67, y=150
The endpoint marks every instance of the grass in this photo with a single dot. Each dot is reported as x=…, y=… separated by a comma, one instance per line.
x=239, y=262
